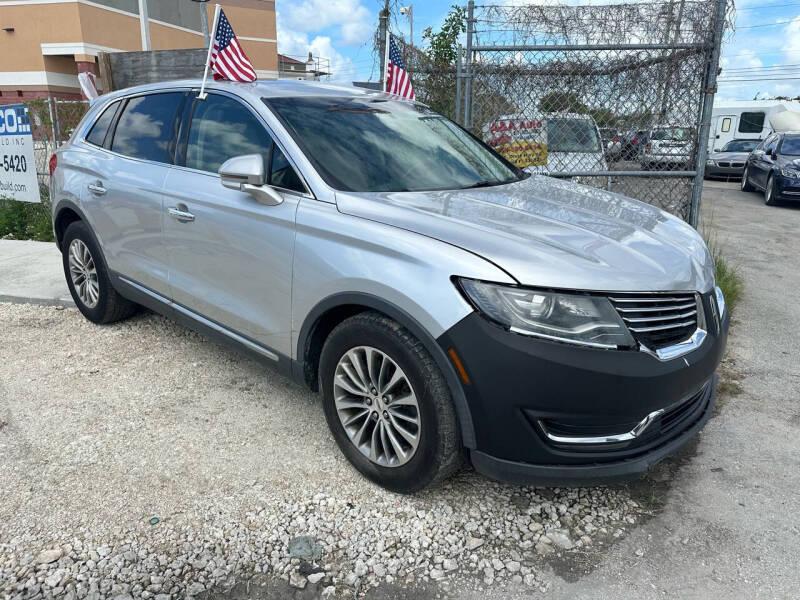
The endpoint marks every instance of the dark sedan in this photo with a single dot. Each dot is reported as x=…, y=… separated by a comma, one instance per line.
x=774, y=168
x=729, y=161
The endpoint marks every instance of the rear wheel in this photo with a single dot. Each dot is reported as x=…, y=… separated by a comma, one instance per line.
x=746, y=186
x=88, y=280
x=769, y=192
x=388, y=405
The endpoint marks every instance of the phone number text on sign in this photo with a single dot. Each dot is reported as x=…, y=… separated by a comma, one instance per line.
x=17, y=164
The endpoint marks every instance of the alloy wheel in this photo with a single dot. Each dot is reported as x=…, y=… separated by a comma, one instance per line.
x=83, y=272
x=377, y=406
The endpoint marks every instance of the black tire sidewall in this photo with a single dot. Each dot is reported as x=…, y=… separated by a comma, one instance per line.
x=79, y=230
x=424, y=465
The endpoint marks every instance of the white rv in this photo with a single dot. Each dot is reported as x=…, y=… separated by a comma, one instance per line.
x=751, y=120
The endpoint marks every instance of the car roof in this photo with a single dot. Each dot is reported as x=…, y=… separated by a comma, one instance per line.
x=260, y=88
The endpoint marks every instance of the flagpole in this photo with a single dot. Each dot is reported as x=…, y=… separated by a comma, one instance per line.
x=211, y=39
x=386, y=61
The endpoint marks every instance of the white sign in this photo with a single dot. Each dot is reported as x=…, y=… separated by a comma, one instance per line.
x=17, y=164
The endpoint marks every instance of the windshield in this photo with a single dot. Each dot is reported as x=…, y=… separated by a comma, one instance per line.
x=572, y=135
x=740, y=146
x=677, y=134
x=791, y=146
x=370, y=144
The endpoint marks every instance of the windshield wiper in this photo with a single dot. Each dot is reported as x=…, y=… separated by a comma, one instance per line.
x=480, y=184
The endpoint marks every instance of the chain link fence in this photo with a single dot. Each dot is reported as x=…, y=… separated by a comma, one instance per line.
x=611, y=95
x=52, y=122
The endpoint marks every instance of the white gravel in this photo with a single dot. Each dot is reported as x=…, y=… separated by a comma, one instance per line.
x=141, y=460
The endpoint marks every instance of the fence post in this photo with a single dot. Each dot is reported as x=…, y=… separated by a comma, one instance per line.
x=52, y=121
x=458, y=86
x=468, y=82
x=57, y=124
x=709, y=90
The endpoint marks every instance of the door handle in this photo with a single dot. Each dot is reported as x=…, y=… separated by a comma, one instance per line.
x=97, y=188
x=181, y=214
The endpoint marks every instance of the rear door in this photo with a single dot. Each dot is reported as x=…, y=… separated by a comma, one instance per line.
x=231, y=257
x=124, y=182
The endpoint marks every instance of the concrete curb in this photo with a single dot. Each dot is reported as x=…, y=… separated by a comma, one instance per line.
x=37, y=301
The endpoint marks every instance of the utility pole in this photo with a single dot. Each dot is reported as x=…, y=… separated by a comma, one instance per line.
x=144, y=24
x=383, y=29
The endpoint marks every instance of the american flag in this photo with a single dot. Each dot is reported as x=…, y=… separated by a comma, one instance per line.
x=397, y=80
x=228, y=60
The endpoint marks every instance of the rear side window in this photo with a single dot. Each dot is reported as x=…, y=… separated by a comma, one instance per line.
x=751, y=122
x=147, y=127
x=282, y=174
x=221, y=129
x=98, y=132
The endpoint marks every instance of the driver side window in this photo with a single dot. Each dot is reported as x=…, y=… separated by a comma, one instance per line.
x=222, y=128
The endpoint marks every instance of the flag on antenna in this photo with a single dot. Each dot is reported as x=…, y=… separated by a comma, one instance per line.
x=228, y=60
x=396, y=77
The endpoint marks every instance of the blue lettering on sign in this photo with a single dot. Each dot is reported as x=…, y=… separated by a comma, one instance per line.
x=14, y=120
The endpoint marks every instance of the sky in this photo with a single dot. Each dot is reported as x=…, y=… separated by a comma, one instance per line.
x=761, y=58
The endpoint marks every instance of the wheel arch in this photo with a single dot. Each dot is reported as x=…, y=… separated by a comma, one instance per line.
x=331, y=311
x=66, y=212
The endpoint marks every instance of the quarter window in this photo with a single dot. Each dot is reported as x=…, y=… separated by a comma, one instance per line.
x=147, y=127
x=726, y=125
x=97, y=135
x=282, y=174
x=221, y=129
x=751, y=122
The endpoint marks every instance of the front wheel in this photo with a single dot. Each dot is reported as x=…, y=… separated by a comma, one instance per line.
x=769, y=192
x=388, y=405
x=746, y=185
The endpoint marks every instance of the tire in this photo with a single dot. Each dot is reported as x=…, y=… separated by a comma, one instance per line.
x=438, y=453
x=101, y=304
x=769, y=192
x=746, y=186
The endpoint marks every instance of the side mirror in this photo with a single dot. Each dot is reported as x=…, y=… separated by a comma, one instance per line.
x=245, y=173
x=717, y=150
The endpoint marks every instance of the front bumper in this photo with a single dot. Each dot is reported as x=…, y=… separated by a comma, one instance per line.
x=719, y=171
x=787, y=188
x=522, y=390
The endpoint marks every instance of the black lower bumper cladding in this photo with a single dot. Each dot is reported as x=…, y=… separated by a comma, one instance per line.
x=520, y=385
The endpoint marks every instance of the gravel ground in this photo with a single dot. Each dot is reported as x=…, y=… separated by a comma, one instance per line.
x=141, y=460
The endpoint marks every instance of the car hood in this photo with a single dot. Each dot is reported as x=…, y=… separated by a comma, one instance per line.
x=553, y=233
x=737, y=156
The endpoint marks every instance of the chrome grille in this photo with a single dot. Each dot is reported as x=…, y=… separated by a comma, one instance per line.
x=658, y=320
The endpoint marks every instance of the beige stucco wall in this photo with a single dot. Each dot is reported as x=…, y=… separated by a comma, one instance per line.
x=75, y=22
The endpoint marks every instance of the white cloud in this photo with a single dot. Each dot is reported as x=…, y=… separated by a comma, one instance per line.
x=792, y=46
x=298, y=44
x=352, y=18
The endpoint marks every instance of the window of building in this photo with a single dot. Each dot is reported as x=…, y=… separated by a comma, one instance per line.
x=147, y=127
x=221, y=129
x=751, y=122
x=97, y=134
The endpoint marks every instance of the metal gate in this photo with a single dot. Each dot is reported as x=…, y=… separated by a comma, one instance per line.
x=616, y=96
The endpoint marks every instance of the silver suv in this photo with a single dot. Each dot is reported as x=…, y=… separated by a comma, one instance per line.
x=446, y=305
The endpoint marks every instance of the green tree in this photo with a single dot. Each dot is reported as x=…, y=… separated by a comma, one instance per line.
x=443, y=44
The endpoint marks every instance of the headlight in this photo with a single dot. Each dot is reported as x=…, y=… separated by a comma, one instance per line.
x=572, y=318
x=720, y=301
x=710, y=163
x=791, y=174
